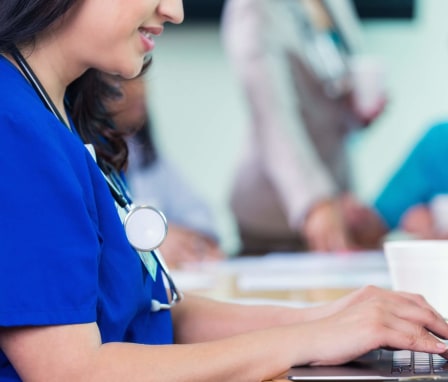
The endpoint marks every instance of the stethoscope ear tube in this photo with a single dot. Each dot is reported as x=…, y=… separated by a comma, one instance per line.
x=145, y=226
x=118, y=195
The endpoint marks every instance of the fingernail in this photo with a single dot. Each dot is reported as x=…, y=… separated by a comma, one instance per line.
x=442, y=346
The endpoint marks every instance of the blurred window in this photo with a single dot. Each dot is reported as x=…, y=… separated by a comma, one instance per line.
x=385, y=9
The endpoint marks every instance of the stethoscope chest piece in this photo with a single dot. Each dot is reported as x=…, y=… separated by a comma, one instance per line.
x=146, y=227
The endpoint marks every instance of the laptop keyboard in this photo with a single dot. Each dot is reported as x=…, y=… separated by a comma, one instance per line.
x=409, y=362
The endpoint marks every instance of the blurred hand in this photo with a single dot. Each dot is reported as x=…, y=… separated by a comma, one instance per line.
x=366, y=118
x=363, y=223
x=419, y=221
x=325, y=229
x=183, y=245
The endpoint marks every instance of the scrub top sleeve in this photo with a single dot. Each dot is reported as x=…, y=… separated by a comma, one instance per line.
x=50, y=243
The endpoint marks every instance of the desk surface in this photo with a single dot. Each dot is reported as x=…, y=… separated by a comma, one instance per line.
x=290, y=278
x=299, y=279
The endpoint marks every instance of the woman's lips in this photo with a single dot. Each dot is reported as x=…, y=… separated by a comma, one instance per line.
x=147, y=33
x=147, y=40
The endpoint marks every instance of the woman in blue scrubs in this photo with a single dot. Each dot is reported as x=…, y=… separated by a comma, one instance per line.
x=75, y=297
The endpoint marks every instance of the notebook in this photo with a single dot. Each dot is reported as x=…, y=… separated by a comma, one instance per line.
x=379, y=365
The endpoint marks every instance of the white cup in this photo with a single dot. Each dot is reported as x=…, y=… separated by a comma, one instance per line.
x=420, y=266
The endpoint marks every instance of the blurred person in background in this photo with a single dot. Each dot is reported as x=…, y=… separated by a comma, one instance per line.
x=415, y=199
x=298, y=63
x=155, y=181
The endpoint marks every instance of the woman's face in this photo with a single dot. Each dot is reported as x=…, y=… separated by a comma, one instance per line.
x=114, y=36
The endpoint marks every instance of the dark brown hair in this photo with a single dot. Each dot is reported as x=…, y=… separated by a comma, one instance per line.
x=85, y=98
x=20, y=22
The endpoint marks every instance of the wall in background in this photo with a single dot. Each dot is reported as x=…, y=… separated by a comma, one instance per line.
x=200, y=114
x=416, y=58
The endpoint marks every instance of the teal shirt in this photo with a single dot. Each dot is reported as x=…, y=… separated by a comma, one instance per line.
x=421, y=177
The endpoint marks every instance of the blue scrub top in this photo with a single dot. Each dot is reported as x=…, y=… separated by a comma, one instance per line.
x=420, y=178
x=64, y=256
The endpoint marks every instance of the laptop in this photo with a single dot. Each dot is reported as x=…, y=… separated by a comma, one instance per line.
x=379, y=365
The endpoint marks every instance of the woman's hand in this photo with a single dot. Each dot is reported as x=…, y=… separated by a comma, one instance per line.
x=366, y=294
x=373, y=318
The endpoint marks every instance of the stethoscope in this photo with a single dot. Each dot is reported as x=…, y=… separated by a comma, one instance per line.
x=146, y=227
x=325, y=56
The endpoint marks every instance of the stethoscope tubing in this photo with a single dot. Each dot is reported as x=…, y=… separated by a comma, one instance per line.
x=116, y=185
x=117, y=188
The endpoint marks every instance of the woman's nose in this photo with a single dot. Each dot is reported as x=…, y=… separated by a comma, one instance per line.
x=172, y=10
